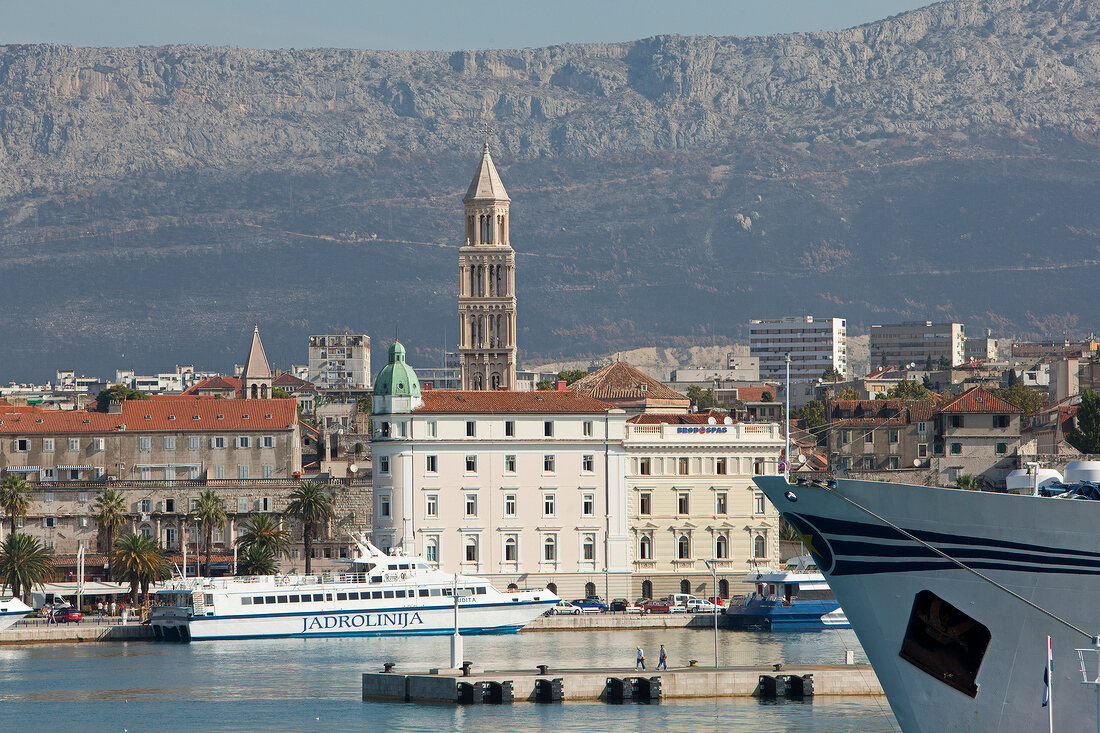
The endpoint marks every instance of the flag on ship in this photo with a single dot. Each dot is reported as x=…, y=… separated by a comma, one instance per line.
x=1048, y=674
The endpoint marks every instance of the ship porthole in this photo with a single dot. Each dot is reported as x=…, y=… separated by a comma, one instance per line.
x=791, y=496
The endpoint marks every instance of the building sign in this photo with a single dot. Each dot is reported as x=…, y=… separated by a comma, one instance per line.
x=702, y=429
x=360, y=620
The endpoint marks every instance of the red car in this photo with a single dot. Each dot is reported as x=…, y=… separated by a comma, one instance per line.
x=716, y=600
x=656, y=607
x=67, y=616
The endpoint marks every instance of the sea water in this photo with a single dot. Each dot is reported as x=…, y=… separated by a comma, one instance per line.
x=315, y=684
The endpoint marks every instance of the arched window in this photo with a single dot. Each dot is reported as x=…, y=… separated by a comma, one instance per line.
x=645, y=549
x=724, y=588
x=647, y=589
x=588, y=548
x=589, y=589
x=759, y=548
x=255, y=391
x=685, y=586
x=473, y=279
x=477, y=382
x=495, y=381
x=471, y=549
x=721, y=547
x=481, y=281
x=683, y=548
x=550, y=549
x=146, y=531
x=552, y=587
x=263, y=391
x=510, y=550
x=431, y=550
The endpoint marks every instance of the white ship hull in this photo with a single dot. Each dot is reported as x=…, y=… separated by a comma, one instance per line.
x=11, y=610
x=898, y=596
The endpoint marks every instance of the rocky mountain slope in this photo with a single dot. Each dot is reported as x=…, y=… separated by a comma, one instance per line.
x=938, y=164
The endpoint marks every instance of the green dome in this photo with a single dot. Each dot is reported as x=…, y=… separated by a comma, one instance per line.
x=397, y=378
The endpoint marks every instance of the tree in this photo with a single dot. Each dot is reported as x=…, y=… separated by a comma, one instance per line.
x=210, y=512
x=311, y=504
x=1028, y=399
x=943, y=363
x=967, y=481
x=766, y=396
x=15, y=498
x=278, y=393
x=544, y=385
x=137, y=559
x=118, y=392
x=702, y=399
x=906, y=389
x=831, y=375
x=572, y=375
x=263, y=531
x=257, y=561
x=110, y=513
x=1086, y=436
x=1013, y=380
x=811, y=416
x=847, y=392
x=927, y=382
x=24, y=564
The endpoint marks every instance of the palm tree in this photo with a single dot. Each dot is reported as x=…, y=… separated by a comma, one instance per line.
x=137, y=559
x=110, y=514
x=210, y=513
x=15, y=498
x=257, y=561
x=263, y=531
x=311, y=504
x=24, y=563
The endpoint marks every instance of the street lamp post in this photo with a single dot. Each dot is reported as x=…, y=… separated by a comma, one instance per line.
x=787, y=422
x=714, y=578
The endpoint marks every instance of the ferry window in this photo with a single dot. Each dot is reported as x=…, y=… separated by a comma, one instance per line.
x=387, y=594
x=446, y=591
x=246, y=601
x=376, y=578
x=423, y=592
x=400, y=594
x=376, y=594
x=945, y=642
x=481, y=590
x=341, y=596
x=269, y=599
x=282, y=599
x=258, y=600
x=351, y=596
x=435, y=591
x=318, y=597
x=295, y=599
x=328, y=596
x=404, y=566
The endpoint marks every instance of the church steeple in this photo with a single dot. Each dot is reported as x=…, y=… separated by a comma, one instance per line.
x=256, y=375
x=487, y=284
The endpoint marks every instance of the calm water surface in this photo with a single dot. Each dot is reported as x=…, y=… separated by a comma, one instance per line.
x=293, y=684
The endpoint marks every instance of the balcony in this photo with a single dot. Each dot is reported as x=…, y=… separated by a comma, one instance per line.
x=705, y=433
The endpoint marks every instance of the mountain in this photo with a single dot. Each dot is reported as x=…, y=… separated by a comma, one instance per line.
x=940, y=164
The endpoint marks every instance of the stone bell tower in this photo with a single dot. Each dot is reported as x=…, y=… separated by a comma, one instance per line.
x=487, y=285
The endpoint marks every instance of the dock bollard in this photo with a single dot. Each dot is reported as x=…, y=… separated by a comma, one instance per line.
x=388, y=666
x=466, y=668
x=469, y=694
x=692, y=662
x=543, y=668
x=616, y=689
x=777, y=667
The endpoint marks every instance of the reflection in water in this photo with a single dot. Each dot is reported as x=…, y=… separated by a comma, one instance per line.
x=294, y=684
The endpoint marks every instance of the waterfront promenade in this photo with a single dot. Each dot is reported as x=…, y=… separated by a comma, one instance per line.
x=110, y=628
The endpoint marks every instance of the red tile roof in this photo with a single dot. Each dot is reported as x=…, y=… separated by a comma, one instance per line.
x=977, y=399
x=880, y=412
x=490, y=403
x=180, y=414
x=620, y=381
x=288, y=381
x=694, y=418
x=228, y=384
x=755, y=394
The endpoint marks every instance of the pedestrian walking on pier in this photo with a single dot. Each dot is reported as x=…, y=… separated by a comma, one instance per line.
x=641, y=659
x=662, y=659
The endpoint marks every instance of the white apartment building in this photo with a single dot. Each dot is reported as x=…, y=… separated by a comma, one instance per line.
x=815, y=345
x=523, y=488
x=915, y=342
x=338, y=361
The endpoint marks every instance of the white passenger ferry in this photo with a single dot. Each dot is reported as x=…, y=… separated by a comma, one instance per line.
x=379, y=595
x=11, y=610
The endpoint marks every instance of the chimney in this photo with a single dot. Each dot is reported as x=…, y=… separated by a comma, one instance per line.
x=561, y=385
x=114, y=407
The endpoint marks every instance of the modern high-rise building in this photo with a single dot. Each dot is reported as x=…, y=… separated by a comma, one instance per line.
x=487, y=285
x=339, y=360
x=915, y=342
x=816, y=345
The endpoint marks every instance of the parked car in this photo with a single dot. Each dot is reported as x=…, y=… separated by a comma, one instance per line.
x=656, y=606
x=590, y=605
x=563, y=608
x=717, y=600
x=703, y=607
x=622, y=605
x=67, y=616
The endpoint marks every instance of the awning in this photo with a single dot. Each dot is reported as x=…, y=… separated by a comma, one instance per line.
x=22, y=469
x=74, y=468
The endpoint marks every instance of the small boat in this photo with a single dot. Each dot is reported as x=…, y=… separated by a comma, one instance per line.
x=11, y=610
x=797, y=598
x=378, y=595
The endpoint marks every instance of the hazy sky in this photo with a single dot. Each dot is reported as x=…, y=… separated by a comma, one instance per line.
x=417, y=24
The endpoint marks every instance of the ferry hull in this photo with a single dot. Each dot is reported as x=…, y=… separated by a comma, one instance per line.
x=798, y=616
x=926, y=625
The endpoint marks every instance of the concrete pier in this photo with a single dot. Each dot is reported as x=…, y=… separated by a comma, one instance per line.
x=592, y=684
x=41, y=633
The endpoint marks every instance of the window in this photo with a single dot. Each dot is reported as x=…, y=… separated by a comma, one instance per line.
x=509, y=464
x=431, y=550
x=269, y=470
x=383, y=464
x=683, y=548
x=384, y=506
x=471, y=505
x=720, y=467
x=588, y=504
x=21, y=445
x=471, y=429
x=895, y=436
x=549, y=505
x=193, y=442
x=74, y=443
x=82, y=497
x=643, y=466
x=433, y=428
x=1002, y=448
x=720, y=503
x=242, y=470
x=922, y=427
x=471, y=464
x=683, y=505
x=510, y=428
x=268, y=441
x=145, y=473
x=170, y=443
x=893, y=463
x=550, y=548
x=758, y=467
x=922, y=450
x=587, y=428
x=97, y=443
x=266, y=504
x=868, y=463
x=588, y=548
x=511, y=550
x=217, y=535
x=1000, y=421
x=869, y=436
x=548, y=464
x=431, y=505
x=759, y=548
x=758, y=504
x=384, y=429
x=588, y=463
x=471, y=549
x=145, y=443
x=47, y=445
x=244, y=441
x=682, y=467
x=49, y=474
x=721, y=548
x=845, y=437
x=218, y=442
x=956, y=448
x=548, y=428
x=956, y=421
x=644, y=501
x=48, y=497
x=431, y=464
x=937, y=449
x=49, y=522
x=242, y=505
x=645, y=548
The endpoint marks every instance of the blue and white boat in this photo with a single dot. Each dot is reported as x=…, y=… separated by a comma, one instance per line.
x=378, y=595
x=11, y=610
x=797, y=598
